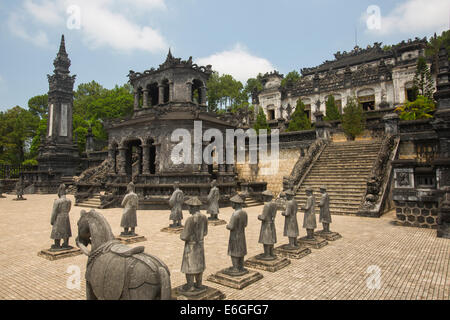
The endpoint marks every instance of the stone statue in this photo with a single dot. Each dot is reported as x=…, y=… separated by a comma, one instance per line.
x=60, y=221
x=443, y=220
x=115, y=271
x=324, y=204
x=130, y=204
x=237, y=245
x=268, y=235
x=290, y=223
x=176, y=205
x=213, y=201
x=19, y=189
x=195, y=229
x=1, y=190
x=309, y=220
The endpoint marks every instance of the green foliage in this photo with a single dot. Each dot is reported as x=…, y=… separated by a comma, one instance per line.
x=40, y=132
x=38, y=105
x=30, y=162
x=332, y=111
x=290, y=79
x=435, y=43
x=261, y=122
x=299, y=119
x=421, y=108
x=224, y=92
x=17, y=128
x=353, y=120
x=423, y=83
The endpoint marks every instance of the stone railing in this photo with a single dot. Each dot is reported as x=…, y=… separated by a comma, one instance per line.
x=92, y=180
x=380, y=178
x=304, y=164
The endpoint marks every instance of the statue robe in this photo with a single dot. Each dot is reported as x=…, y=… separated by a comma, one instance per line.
x=237, y=244
x=195, y=229
x=60, y=219
x=268, y=234
x=309, y=220
x=130, y=204
x=213, y=201
x=324, y=205
x=176, y=204
x=290, y=223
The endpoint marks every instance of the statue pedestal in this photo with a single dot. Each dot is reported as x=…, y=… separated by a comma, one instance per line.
x=18, y=199
x=329, y=236
x=2, y=196
x=267, y=265
x=207, y=294
x=51, y=254
x=175, y=230
x=443, y=230
x=298, y=253
x=315, y=243
x=237, y=281
x=130, y=239
x=217, y=222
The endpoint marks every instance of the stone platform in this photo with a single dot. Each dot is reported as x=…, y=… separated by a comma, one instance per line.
x=236, y=282
x=176, y=230
x=298, y=253
x=329, y=236
x=16, y=199
x=267, y=265
x=132, y=239
x=315, y=243
x=60, y=254
x=217, y=222
x=207, y=294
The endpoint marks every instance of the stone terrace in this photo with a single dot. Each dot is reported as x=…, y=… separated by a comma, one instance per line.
x=414, y=263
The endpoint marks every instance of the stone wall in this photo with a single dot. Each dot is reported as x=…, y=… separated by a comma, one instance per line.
x=252, y=173
x=417, y=213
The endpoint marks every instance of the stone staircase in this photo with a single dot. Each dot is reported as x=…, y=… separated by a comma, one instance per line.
x=92, y=202
x=251, y=202
x=343, y=168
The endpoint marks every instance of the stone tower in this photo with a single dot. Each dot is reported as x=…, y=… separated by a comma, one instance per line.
x=58, y=155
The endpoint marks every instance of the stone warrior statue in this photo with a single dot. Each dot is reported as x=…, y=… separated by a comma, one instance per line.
x=268, y=235
x=309, y=220
x=290, y=223
x=213, y=201
x=195, y=229
x=60, y=221
x=19, y=189
x=176, y=205
x=324, y=204
x=1, y=189
x=130, y=204
x=237, y=245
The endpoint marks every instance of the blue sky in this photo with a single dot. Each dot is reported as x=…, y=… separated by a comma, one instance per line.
x=241, y=38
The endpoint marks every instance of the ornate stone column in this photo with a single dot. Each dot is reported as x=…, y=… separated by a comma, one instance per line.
x=112, y=157
x=170, y=91
x=145, y=159
x=145, y=98
x=203, y=96
x=121, y=161
x=160, y=94
x=136, y=99
x=189, y=91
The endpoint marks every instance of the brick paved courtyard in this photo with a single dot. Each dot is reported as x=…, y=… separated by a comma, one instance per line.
x=414, y=264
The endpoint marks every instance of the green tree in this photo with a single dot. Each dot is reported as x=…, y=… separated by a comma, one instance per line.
x=421, y=108
x=332, y=111
x=290, y=79
x=434, y=45
x=353, y=120
x=38, y=105
x=423, y=83
x=17, y=128
x=261, y=122
x=224, y=92
x=299, y=119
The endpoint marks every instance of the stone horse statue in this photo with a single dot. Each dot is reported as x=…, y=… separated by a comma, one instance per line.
x=115, y=271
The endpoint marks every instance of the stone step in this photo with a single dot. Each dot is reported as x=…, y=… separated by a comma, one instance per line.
x=84, y=205
x=338, y=185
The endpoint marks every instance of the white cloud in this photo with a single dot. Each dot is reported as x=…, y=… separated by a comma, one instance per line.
x=16, y=24
x=237, y=62
x=414, y=16
x=104, y=23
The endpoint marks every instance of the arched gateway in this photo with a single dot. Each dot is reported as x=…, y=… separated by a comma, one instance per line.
x=166, y=99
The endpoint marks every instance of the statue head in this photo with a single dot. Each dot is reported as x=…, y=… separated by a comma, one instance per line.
x=290, y=194
x=130, y=187
x=236, y=202
x=267, y=196
x=61, y=190
x=193, y=204
x=213, y=183
x=309, y=191
x=323, y=189
x=176, y=185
